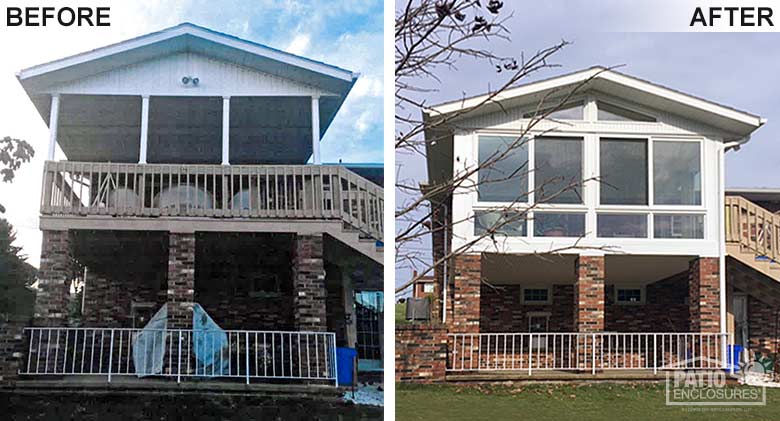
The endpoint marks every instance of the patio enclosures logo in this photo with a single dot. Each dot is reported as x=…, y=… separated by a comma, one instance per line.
x=709, y=387
x=56, y=16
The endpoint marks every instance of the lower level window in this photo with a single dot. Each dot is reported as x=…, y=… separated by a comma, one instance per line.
x=536, y=295
x=678, y=226
x=629, y=295
x=511, y=224
x=559, y=224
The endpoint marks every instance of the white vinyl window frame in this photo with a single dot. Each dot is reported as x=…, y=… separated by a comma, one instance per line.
x=530, y=205
x=651, y=209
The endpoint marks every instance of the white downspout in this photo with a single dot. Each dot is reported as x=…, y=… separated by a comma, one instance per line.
x=444, y=270
x=722, y=251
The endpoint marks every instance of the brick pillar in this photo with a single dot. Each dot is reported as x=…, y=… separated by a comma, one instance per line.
x=465, y=294
x=56, y=268
x=703, y=294
x=309, y=289
x=181, y=280
x=589, y=294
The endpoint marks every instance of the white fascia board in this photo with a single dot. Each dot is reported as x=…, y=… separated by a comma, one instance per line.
x=601, y=73
x=188, y=29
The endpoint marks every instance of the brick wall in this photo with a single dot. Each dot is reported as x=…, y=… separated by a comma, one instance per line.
x=12, y=345
x=466, y=294
x=439, y=220
x=181, y=280
x=665, y=308
x=107, y=302
x=589, y=294
x=309, y=290
x=54, y=276
x=704, y=299
x=763, y=327
x=420, y=353
x=502, y=310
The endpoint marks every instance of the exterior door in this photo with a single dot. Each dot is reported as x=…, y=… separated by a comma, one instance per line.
x=369, y=314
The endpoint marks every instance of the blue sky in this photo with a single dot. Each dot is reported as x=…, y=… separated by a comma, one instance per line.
x=736, y=69
x=345, y=33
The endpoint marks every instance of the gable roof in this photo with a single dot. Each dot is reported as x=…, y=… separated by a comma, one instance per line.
x=740, y=123
x=191, y=38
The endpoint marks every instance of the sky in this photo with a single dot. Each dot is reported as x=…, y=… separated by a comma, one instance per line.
x=344, y=33
x=736, y=69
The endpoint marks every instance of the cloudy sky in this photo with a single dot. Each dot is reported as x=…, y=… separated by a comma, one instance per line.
x=735, y=69
x=345, y=33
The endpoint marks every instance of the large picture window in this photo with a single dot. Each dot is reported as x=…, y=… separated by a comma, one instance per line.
x=676, y=173
x=503, y=171
x=623, y=171
x=558, y=170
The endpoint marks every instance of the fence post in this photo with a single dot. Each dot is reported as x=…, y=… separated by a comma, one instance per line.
x=593, y=354
x=246, y=350
x=110, y=355
x=530, y=351
x=335, y=358
x=655, y=354
x=178, y=361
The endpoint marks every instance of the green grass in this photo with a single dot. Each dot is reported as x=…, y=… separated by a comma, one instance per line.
x=562, y=401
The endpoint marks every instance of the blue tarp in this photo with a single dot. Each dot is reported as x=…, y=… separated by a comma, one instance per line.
x=150, y=345
x=211, y=344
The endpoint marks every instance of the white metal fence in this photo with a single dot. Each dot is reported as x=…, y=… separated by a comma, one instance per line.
x=181, y=353
x=585, y=351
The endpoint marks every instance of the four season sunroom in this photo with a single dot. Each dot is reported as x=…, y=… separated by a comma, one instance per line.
x=590, y=239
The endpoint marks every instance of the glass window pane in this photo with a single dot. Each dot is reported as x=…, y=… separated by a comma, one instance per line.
x=609, y=112
x=558, y=173
x=632, y=295
x=623, y=172
x=511, y=224
x=559, y=224
x=535, y=294
x=676, y=173
x=678, y=226
x=622, y=226
x=504, y=177
x=571, y=111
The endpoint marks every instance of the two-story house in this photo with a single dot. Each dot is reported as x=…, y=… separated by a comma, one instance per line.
x=611, y=242
x=193, y=204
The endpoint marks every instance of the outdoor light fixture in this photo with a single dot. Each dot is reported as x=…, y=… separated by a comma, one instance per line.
x=187, y=79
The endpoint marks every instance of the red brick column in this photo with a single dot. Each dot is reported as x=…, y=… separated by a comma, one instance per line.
x=54, y=275
x=181, y=280
x=703, y=292
x=420, y=353
x=465, y=294
x=589, y=294
x=309, y=289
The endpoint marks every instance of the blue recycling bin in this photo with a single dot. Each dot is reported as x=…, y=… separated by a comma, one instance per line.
x=345, y=358
x=734, y=353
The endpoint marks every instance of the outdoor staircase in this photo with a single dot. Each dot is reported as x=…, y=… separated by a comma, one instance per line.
x=753, y=236
x=361, y=242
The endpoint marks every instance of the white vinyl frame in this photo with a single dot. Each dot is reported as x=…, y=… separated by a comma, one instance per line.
x=590, y=130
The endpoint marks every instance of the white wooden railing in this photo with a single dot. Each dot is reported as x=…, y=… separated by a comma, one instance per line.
x=752, y=227
x=181, y=354
x=585, y=351
x=219, y=191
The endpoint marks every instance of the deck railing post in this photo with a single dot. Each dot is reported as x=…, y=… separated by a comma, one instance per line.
x=593, y=352
x=178, y=361
x=110, y=355
x=246, y=351
x=530, y=352
x=655, y=354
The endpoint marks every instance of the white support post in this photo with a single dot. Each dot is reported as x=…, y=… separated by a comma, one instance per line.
x=226, y=130
x=54, y=117
x=315, y=130
x=722, y=254
x=144, y=129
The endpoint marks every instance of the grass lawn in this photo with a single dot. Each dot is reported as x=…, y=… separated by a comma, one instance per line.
x=562, y=401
